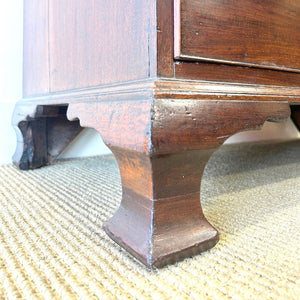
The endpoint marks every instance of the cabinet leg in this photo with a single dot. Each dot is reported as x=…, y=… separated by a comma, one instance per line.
x=42, y=132
x=160, y=219
x=162, y=147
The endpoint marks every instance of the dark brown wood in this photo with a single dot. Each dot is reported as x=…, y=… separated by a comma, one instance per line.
x=162, y=155
x=229, y=73
x=186, y=69
x=243, y=32
x=207, y=124
x=165, y=38
x=43, y=132
x=100, y=42
x=111, y=65
x=183, y=89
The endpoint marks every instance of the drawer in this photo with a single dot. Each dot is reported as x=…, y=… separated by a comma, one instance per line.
x=255, y=33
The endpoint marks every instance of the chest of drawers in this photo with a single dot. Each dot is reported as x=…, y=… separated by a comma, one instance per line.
x=165, y=82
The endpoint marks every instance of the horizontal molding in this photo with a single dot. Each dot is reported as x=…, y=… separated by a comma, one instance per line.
x=195, y=89
x=171, y=89
x=96, y=93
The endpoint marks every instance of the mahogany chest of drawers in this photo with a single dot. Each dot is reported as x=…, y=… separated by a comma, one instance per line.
x=165, y=82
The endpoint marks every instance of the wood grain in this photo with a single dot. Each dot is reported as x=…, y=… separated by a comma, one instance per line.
x=205, y=90
x=161, y=232
x=160, y=219
x=130, y=121
x=35, y=48
x=165, y=38
x=237, y=74
x=243, y=32
x=99, y=42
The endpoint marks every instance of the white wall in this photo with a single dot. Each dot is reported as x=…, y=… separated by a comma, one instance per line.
x=270, y=131
x=89, y=142
x=11, y=19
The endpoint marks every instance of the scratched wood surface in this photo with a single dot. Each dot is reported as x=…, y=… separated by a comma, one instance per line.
x=245, y=32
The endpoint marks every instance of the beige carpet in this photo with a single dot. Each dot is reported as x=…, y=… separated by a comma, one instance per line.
x=53, y=246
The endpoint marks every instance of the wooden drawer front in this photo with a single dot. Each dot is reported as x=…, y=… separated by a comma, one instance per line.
x=244, y=32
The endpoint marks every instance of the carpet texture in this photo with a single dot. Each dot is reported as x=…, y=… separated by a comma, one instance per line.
x=52, y=245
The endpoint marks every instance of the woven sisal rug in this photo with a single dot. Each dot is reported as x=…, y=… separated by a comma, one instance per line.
x=52, y=245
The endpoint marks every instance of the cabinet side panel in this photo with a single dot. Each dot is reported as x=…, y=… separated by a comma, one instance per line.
x=100, y=42
x=35, y=48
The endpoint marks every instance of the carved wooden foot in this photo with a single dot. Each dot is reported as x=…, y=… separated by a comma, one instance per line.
x=42, y=132
x=160, y=219
x=162, y=147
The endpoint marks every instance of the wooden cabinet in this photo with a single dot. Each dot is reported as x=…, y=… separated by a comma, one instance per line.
x=165, y=82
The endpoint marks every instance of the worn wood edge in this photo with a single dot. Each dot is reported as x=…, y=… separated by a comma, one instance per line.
x=152, y=262
x=187, y=57
x=193, y=89
x=152, y=248
x=172, y=118
x=182, y=254
x=170, y=88
x=118, y=240
x=94, y=93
